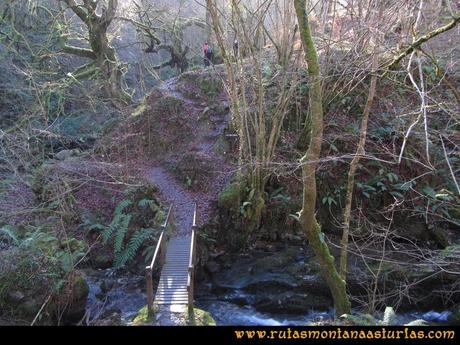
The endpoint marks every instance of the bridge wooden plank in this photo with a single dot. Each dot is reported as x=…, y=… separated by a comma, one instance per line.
x=175, y=270
x=172, y=286
x=172, y=295
x=174, y=277
x=173, y=282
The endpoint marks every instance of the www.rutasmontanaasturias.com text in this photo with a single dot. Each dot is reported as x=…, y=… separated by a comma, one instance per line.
x=341, y=333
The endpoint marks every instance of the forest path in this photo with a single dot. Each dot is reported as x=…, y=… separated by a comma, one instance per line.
x=203, y=130
x=202, y=143
x=174, y=194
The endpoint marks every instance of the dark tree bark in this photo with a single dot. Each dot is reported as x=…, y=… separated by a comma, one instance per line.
x=99, y=49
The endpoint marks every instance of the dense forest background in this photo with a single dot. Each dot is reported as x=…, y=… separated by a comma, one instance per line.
x=321, y=147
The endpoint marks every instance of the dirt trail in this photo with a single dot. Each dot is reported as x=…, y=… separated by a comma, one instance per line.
x=202, y=141
x=174, y=194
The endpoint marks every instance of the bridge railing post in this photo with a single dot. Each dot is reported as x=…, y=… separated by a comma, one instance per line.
x=190, y=289
x=159, y=259
x=148, y=278
x=191, y=266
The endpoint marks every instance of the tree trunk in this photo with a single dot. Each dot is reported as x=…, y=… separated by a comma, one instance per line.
x=309, y=164
x=354, y=166
x=208, y=29
x=101, y=51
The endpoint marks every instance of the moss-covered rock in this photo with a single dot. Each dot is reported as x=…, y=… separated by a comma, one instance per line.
x=454, y=318
x=202, y=318
x=230, y=197
x=26, y=279
x=143, y=318
x=77, y=292
x=358, y=320
x=32, y=280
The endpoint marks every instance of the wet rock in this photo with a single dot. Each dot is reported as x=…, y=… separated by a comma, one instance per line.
x=291, y=303
x=389, y=316
x=277, y=282
x=358, y=319
x=213, y=266
x=113, y=319
x=436, y=316
x=111, y=312
x=418, y=322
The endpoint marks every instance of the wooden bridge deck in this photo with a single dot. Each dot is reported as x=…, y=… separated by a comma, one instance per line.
x=172, y=288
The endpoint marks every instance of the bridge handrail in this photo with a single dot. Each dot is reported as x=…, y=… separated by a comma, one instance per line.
x=191, y=263
x=158, y=256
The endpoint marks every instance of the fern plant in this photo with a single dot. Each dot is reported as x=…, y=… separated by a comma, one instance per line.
x=124, y=249
x=135, y=242
x=41, y=240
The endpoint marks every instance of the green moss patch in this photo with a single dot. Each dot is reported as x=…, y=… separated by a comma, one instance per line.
x=202, y=318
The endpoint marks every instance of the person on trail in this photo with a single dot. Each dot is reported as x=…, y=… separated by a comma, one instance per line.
x=209, y=55
x=235, y=48
x=205, y=53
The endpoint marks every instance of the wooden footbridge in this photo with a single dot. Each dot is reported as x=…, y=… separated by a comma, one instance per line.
x=175, y=257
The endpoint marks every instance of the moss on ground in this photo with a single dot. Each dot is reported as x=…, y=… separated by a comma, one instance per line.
x=202, y=318
x=201, y=84
x=143, y=317
x=230, y=197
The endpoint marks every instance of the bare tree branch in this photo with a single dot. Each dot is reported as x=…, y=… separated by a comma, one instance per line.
x=417, y=43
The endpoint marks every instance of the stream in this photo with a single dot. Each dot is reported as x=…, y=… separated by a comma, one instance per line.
x=116, y=297
x=113, y=295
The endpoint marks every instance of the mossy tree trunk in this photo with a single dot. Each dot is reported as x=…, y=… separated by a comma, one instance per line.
x=309, y=162
x=100, y=51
